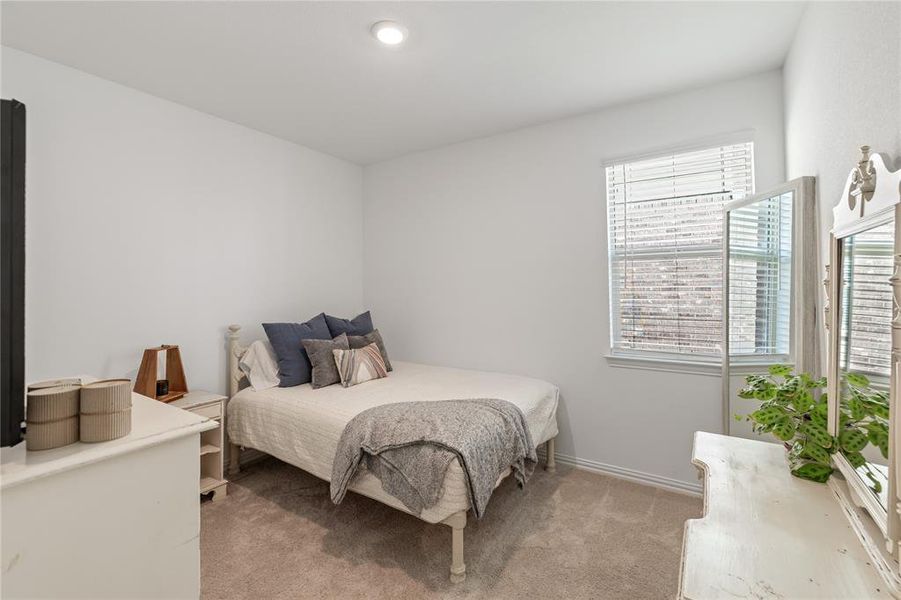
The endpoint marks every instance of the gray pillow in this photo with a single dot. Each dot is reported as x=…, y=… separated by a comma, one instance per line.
x=361, y=341
x=359, y=325
x=293, y=363
x=325, y=371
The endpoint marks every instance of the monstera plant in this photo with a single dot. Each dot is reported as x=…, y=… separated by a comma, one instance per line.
x=794, y=410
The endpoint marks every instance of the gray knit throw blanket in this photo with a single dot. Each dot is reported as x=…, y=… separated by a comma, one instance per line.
x=409, y=446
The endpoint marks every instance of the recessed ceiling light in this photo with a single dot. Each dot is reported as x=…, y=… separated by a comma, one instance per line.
x=389, y=32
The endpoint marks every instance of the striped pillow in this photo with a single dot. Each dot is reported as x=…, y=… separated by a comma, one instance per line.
x=362, y=364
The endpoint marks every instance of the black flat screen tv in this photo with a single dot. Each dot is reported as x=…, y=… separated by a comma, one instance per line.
x=12, y=271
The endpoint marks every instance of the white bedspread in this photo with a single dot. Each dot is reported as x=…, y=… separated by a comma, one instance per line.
x=302, y=426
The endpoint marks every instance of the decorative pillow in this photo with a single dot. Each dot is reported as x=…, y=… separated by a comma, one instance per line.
x=286, y=340
x=260, y=366
x=359, y=325
x=357, y=366
x=325, y=371
x=361, y=341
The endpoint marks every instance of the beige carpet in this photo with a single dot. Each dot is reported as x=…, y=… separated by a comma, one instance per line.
x=569, y=535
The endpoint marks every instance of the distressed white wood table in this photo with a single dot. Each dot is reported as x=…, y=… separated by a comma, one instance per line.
x=117, y=519
x=767, y=534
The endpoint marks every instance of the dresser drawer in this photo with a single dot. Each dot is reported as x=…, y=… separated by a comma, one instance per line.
x=212, y=411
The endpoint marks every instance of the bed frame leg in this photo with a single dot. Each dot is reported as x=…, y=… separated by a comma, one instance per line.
x=457, y=522
x=234, y=459
x=551, y=448
x=235, y=351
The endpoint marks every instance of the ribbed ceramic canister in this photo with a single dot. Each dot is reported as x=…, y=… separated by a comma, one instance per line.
x=53, y=383
x=51, y=417
x=105, y=410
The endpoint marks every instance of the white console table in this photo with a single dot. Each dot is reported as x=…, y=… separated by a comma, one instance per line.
x=118, y=519
x=767, y=534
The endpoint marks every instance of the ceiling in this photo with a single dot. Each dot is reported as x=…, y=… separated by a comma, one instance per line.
x=311, y=73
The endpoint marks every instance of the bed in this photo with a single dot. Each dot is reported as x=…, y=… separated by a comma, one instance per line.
x=302, y=426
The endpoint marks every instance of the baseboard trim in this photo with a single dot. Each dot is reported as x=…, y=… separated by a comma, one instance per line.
x=673, y=485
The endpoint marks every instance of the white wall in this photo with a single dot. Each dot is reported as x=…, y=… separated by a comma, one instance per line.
x=842, y=90
x=150, y=223
x=842, y=82
x=491, y=254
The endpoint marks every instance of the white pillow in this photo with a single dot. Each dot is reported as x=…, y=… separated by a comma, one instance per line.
x=260, y=366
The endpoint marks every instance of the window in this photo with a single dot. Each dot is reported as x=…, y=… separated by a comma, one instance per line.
x=760, y=277
x=665, y=235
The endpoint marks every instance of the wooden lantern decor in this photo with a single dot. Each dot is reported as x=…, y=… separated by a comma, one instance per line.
x=145, y=384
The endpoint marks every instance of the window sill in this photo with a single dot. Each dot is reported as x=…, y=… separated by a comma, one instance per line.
x=711, y=368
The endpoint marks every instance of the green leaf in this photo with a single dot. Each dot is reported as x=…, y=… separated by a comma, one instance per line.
x=877, y=427
x=819, y=414
x=785, y=429
x=856, y=407
x=818, y=434
x=877, y=484
x=812, y=471
x=877, y=434
x=852, y=440
x=815, y=452
x=804, y=401
x=876, y=408
x=843, y=421
x=857, y=380
x=768, y=415
x=766, y=393
x=792, y=383
x=780, y=370
x=856, y=459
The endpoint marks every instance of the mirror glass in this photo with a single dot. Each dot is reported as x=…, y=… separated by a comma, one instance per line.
x=865, y=349
x=760, y=277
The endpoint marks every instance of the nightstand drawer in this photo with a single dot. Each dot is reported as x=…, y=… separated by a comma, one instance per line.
x=213, y=411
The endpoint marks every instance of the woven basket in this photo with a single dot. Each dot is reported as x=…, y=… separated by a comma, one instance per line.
x=51, y=417
x=105, y=410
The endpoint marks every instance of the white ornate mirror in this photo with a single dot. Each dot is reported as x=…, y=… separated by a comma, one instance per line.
x=863, y=317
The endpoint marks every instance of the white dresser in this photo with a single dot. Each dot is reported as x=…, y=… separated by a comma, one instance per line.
x=767, y=534
x=109, y=520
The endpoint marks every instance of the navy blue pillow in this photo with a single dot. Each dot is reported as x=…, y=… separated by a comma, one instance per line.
x=359, y=325
x=287, y=341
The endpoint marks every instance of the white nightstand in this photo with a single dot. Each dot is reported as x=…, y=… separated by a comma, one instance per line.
x=212, y=442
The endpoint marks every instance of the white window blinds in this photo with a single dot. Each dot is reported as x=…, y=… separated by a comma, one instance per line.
x=760, y=277
x=866, y=303
x=665, y=231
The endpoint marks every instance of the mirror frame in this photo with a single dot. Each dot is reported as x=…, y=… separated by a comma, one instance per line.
x=803, y=339
x=871, y=197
